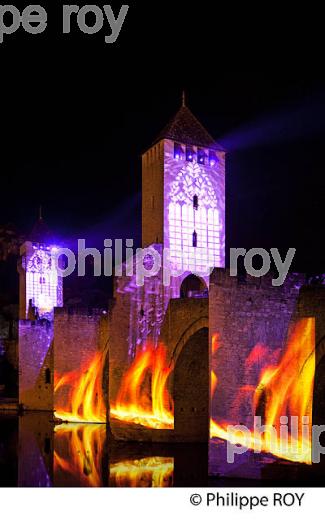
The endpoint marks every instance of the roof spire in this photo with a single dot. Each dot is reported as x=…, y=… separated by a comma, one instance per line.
x=185, y=128
x=183, y=98
x=40, y=233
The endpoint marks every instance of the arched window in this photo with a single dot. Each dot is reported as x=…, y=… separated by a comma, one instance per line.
x=193, y=287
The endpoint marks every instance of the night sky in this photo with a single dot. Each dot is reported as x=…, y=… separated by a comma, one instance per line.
x=77, y=113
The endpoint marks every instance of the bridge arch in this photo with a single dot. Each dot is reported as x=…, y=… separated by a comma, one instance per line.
x=191, y=385
x=319, y=388
x=200, y=323
x=185, y=333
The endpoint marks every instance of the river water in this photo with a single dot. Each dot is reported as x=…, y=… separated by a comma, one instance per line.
x=34, y=452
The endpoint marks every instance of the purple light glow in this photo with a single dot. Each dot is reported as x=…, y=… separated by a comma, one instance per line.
x=178, y=152
x=43, y=285
x=212, y=158
x=195, y=203
x=201, y=156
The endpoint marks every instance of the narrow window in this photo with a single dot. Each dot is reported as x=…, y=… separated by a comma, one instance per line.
x=47, y=376
x=196, y=202
x=195, y=239
x=178, y=151
x=212, y=158
x=201, y=156
x=47, y=445
x=189, y=154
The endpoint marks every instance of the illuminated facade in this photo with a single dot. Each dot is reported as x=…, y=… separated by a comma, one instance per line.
x=40, y=284
x=194, y=209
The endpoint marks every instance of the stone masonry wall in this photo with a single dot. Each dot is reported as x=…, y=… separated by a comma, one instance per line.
x=244, y=314
x=78, y=336
x=36, y=365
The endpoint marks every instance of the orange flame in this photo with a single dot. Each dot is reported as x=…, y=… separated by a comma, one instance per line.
x=85, y=401
x=214, y=382
x=285, y=389
x=215, y=343
x=143, y=397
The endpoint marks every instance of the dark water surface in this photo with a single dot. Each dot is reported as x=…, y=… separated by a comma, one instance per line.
x=34, y=452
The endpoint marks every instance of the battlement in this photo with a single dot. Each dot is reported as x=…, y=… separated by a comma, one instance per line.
x=34, y=324
x=221, y=277
x=79, y=314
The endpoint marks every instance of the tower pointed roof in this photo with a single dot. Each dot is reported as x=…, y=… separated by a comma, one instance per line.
x=41, y=233
x=187, y=129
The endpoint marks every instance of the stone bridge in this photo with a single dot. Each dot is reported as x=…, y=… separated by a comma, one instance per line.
x=185, y=333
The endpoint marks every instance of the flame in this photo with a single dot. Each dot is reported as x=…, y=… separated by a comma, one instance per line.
x=215, y=343
x=143, y=397
x=214, y=379
x=85, y=402
x=285, y=389
x=214, y=382
x=78, y=451
x=148, y=472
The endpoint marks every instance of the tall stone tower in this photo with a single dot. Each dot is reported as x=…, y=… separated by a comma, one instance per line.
x=40, y=286
x=183, y=195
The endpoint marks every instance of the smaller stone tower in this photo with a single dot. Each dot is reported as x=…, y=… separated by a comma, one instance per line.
x=40, y=292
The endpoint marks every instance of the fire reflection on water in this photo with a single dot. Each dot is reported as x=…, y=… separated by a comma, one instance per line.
x=79, y=459
x=147, y=472
x=78, y=452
